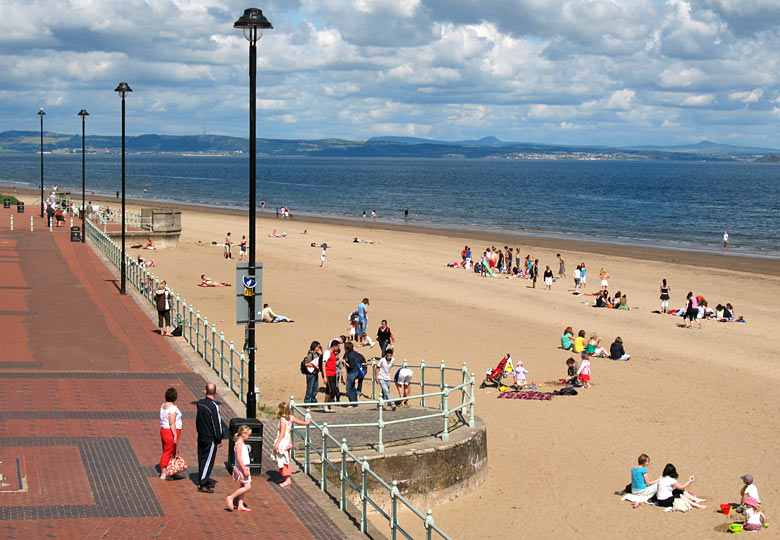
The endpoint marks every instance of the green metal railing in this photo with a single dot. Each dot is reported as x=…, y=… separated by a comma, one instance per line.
x=228, y=362
x=322, y=442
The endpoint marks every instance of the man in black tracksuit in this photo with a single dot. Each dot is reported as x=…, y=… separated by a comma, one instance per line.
x=209, y=426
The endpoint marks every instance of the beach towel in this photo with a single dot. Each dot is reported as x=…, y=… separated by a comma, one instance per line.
x=635, y=498
x=541, y=396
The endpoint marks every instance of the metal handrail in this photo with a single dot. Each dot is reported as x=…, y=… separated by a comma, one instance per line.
x=391, y=515
x=220, y=354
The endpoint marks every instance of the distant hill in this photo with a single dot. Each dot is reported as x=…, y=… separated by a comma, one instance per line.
x=385, y=146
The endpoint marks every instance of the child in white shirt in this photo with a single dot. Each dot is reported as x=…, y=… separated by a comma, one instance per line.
x=519, y=374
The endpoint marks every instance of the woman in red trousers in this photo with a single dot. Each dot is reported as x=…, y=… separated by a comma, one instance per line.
x=170, y=429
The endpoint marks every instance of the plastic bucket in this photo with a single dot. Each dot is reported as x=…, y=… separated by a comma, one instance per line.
x=725, y=509
x=735, y=528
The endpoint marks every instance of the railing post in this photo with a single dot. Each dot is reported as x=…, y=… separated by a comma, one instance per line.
x=464, y=373
x=231, y=368
x=445, y=435
x=307, y=446
x=373, y=376
x=323, y=468
x=206, y=340
x=189, y=326
x=343, y=475
x=381, y=425
x=31, y=224
x=222, y=355
x=422, y=382
x=197, y=332
x=364, y=497
x=473, y=401
x=241, y=378
x=441, y=385
x=428, y=524
x=394, y=513
x=12, y=222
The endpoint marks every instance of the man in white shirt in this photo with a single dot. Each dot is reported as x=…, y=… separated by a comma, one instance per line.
x=382, y=374
x=268, y=316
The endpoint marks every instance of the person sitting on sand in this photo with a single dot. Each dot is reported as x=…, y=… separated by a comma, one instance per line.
x=602, y=300
x=206, y=281
x=755, y=520
x=617, y=352
x=568, y=335
x=669, y=489
x=748, y=490
x=579, y=342
x=641, y=485
x=270, y=317
x=149, y=244
x=571, y=372
x=729, y=316
x=277, y=235
x=594, y=347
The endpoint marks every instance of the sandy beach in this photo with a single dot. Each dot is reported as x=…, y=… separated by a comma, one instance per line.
x=701, y=399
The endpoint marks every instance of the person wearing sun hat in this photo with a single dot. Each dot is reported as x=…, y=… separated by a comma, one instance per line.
x=749, y=490
x=754, y=518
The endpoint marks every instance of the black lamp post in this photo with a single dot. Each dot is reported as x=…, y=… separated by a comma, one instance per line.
x=123, y=89
x=83, y=114
x=41, y=113
x=252, y=22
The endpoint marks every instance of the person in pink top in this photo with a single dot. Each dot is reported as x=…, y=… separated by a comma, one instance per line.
x=584, y=372
x=691, y=311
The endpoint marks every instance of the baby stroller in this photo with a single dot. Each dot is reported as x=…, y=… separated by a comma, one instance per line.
x=494, y=376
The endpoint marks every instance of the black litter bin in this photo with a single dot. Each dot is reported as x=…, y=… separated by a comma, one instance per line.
x=20, y=207
x=6, y=203
x=75, y=234
x=255, y=443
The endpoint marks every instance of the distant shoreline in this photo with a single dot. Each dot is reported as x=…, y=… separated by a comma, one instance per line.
x=749, y=263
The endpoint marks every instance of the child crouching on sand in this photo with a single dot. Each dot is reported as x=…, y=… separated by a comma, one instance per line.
x=571, y=372
x=755, y=519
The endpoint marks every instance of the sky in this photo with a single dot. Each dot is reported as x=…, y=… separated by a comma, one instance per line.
x=611, y=72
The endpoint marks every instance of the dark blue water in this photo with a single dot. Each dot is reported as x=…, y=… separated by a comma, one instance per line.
x=672, y=204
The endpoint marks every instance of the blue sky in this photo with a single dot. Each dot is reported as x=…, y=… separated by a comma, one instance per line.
x=612, y=72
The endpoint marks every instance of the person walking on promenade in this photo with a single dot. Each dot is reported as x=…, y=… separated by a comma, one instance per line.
x=384, y=336
x=354, y=361
x=312, y=365
x=330, y=367
x=283, y=443
x=382, y=374
x=240, y=470
x=170, y=429
x=162, y=299
x=209, y=426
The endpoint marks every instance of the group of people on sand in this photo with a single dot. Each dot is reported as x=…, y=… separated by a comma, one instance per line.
x=579, y=373
x=668, y=492
x=350, y=367
x=697, y=308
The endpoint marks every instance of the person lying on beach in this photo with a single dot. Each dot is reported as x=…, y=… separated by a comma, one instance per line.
x=729, y=316
x=277, y=235
x=268, y=316
x=149, y=244
x=316, y=245
x=361, y=241
x=144, y=262
x=208, y=282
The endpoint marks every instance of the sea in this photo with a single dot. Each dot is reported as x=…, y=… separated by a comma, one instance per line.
x=670, y=204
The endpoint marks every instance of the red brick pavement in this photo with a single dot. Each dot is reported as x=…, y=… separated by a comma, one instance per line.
x=82, y=375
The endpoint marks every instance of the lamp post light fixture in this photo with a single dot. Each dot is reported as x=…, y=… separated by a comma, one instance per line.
x=252, y=22
x=41, y=113
x=83, y=114
x=123, y=89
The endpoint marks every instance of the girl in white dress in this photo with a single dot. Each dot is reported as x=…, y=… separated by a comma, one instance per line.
x=240, y=470
x=283, y=443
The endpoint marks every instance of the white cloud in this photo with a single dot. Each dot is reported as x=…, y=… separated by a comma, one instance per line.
x=750, y=96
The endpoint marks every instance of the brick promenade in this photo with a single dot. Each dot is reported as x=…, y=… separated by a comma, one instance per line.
x=82, y=376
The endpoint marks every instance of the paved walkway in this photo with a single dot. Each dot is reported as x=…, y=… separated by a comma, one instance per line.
x=82, y=376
